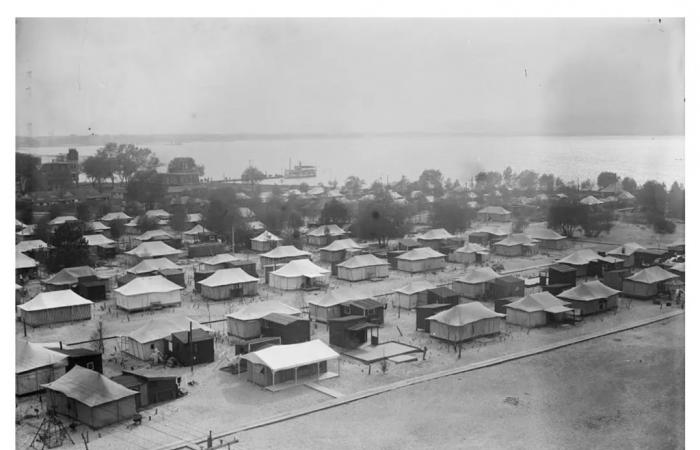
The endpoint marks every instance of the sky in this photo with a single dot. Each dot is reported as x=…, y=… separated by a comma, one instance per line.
x=492, y=76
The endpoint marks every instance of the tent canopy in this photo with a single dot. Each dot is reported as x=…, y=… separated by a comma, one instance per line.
x=496, y=230
x=154, y=234
x=476, y=275
x=472, y=248
x=259, y=310
x=266, y=236
x=30, y=356
x=197, y=229
x=300, y=267
x=580, y=257
x=54, y=299
x=23, y=261
x=89, y=387
x=159, y=213
x=516, y=239
x=413, y=287
x=163, y=327
x=652, y=275
x=225, y=277
x=71, y=275
x=285, y=251
x=323, y=230
x=590, y=201
x=435, y=234
x=421, y=253
x=60, y=220
x=593, y=290
x=363, y=261
x=540, y=301
x=115, y=216
x=97, y=226
x=626, y=249
x=338, y=297
x=153, y=265
x=27, y=246
x=221, y=258
x=342, y=244
x=545, y=234
x=494, y=210
x=153, y=250
x=147, y=285
x=280, y=357
x=98, y=240
x=463, y=314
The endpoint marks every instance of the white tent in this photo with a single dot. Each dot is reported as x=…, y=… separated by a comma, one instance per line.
x=115, y=216
x=30, y=245
x=144, y=292
x=55, y=307
x=96, y=226
x=155, y=249
x=413, y=294
x=590, y=201
x=219, y=261
x=36, y=365
x=534, y=309
x=467, y=254
x=264, y=241
x=298, y=274
x=363, y=267
x=60, y=220
x=152, y=265
x=155, y=235
x=474, y=283
x=328, y=307
x=283, y=254
x=158, y=213
x=23, y=261
x=465, y=321
x=141, y=342
x=420, y=259
x=245, y=321
x=192, y=234
x=227, y=283
x=99, y=240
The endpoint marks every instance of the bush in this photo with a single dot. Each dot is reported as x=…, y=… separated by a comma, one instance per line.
x=664, y=226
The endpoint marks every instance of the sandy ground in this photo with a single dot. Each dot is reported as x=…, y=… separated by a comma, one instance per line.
x=621, y=391
x=220, y=401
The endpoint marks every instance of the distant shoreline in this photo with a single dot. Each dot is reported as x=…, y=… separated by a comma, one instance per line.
x=177, y=139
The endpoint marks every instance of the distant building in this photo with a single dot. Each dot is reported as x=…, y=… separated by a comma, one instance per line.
x=63, y=171
x=180, y=178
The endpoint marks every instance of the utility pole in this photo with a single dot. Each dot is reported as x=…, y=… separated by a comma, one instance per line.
x=189, y=345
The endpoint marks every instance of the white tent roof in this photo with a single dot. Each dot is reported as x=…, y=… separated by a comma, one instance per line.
x=23, y=261
x=115, y=216
x=592, y=290
x=420, y=253
x=516, y=239
x=285, y=251
x=590, y=200
x=545, y=234
x=60, y=220
x=97, y=226
x=338, y=296
x=147, y=285
x=153, y=250
x=626, y=249
x=221, y=258
x=342, y=244
x=193, y=218
x=436, y=233
x=19, y=224
x=54, y=299
x=580, y=257
x=464, y=314
x=653, y=275
x=30, y=356
x=89, y=387
x=152, y=265
x=332, y=230
x=28, y=230
x=472, y=248
x=27, y=246
x=476, y=275
x=163, y=327
x=160, y=213
x=197, y=229
x=253, y=311
x=494, y=210
x=540, y=301
x=415, y=286
x=225, y=277
x=266, y=236
x=280, y=357
x=98, y=240
x=154, y=234
x=300, y=267
x=363, y=261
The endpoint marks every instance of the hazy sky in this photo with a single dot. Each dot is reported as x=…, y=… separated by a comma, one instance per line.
x=531, y=76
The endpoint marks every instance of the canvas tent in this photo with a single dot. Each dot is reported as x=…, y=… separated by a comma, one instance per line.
x=264, y=242
x=516, y=245
x=475, y=283
x=363, y=267
x=225, y=284
x=194, y=234
x=413, y=294
x=580, y=260
x=158, y=214
x=435, y=238
x=83, y=279
x=470, y=253
x=329, y=306
x=677, y=246
x=282, y=255
x=281, y=363
x=647, y=282
x=420, y=259
x=55, y=307
x=24, y=265
x=30, y=245
x=591, y=297
x=147, y=292
x=337, y=250
x=109, y=217
x=678, y=269
x=590, y=201
x=35, y=366
x=152, y=266
x=626, y=253
x=153, y=334
x=220, y=261
x=464, y=322
x=493, y=213
x=91, y=398
x=99, y=240
x=324, y=235
x=155, y=235
x=155, y=249
x=299, y=274
x=548, y=238
x=60, y=220
x=245, y=322
x=536, y=310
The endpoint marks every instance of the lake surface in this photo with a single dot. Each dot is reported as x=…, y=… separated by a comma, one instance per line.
x=458, y=157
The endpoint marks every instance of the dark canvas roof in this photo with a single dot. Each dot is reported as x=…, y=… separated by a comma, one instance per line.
x=562, y=268
x=509, y=279
x=282, y=319
x=75, y=352
x=363, y=326
x=434, y=306
x=443, y=291
x=366, y=303
x=197, y=335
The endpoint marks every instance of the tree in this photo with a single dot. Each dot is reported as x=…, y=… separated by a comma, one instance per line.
x=178, y=220
x=587, y=185
x=652, y=199
x=42, y=230
x=99, y=168
x=353, y=186
x=334, y=212
x=146, y=187
x=24, y=210
x=607, y=178
x=676, y=201
x=304, y=187
x=430, y=182
x=145, y=223
x=69, y=248
x=629, y=184
x=508, y=175
x=294, y=220
x=82, y=212
x=488, y=181
x=222, y=216
x=452, y=215
x=546, y=182
x=595, y=222
x=565, y=216
x=127, y=159
x=116, y=229
x=527, y=181
x=379, y=220
x=184, y=164
x=252, y=175
x=27, y=174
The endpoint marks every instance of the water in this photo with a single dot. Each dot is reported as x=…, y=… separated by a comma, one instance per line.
x=457, y=157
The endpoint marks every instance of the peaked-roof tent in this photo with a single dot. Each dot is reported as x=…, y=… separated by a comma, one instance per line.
x=197, y=229
x=338, y=297
x=475, y=275
x=281, y=357
x=300, y=267
x=153, y=265
x=30, y=356
x=147, y=285
x=163, y=327
x=54, y=299
x=323, y=230
x=254, y=311
x=494, y=210
x=420, y=253
x=580, y=257
x=363, y=261
x=89, y=387
x=153, y=250
x=413, y=287
x=225, y=277
x=516, y=239
x=436, y=234
x=652, y=275
x=464, y=314
x=266, y=236
x=592, y=290
x=342, y=244
x=285, y=251
x=29, y=245
x=540, y=301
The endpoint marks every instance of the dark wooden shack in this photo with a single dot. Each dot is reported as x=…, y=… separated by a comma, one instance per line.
x=197, y=349
x=443, y=295
x=480, y=237
x=425, y=311
x=508, y=286
x=614, y=278
x=83, y=357
x=205, y=249
x=562, y=274
x=152, y=389
x=645, y=257
x=199, y=276
x=290, y=329
x=177, y=276
x=247, y=266
x=349, y=331
x=391, y=257
x=371, y=310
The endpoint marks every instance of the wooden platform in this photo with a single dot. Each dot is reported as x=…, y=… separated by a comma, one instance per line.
x=369, y=354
